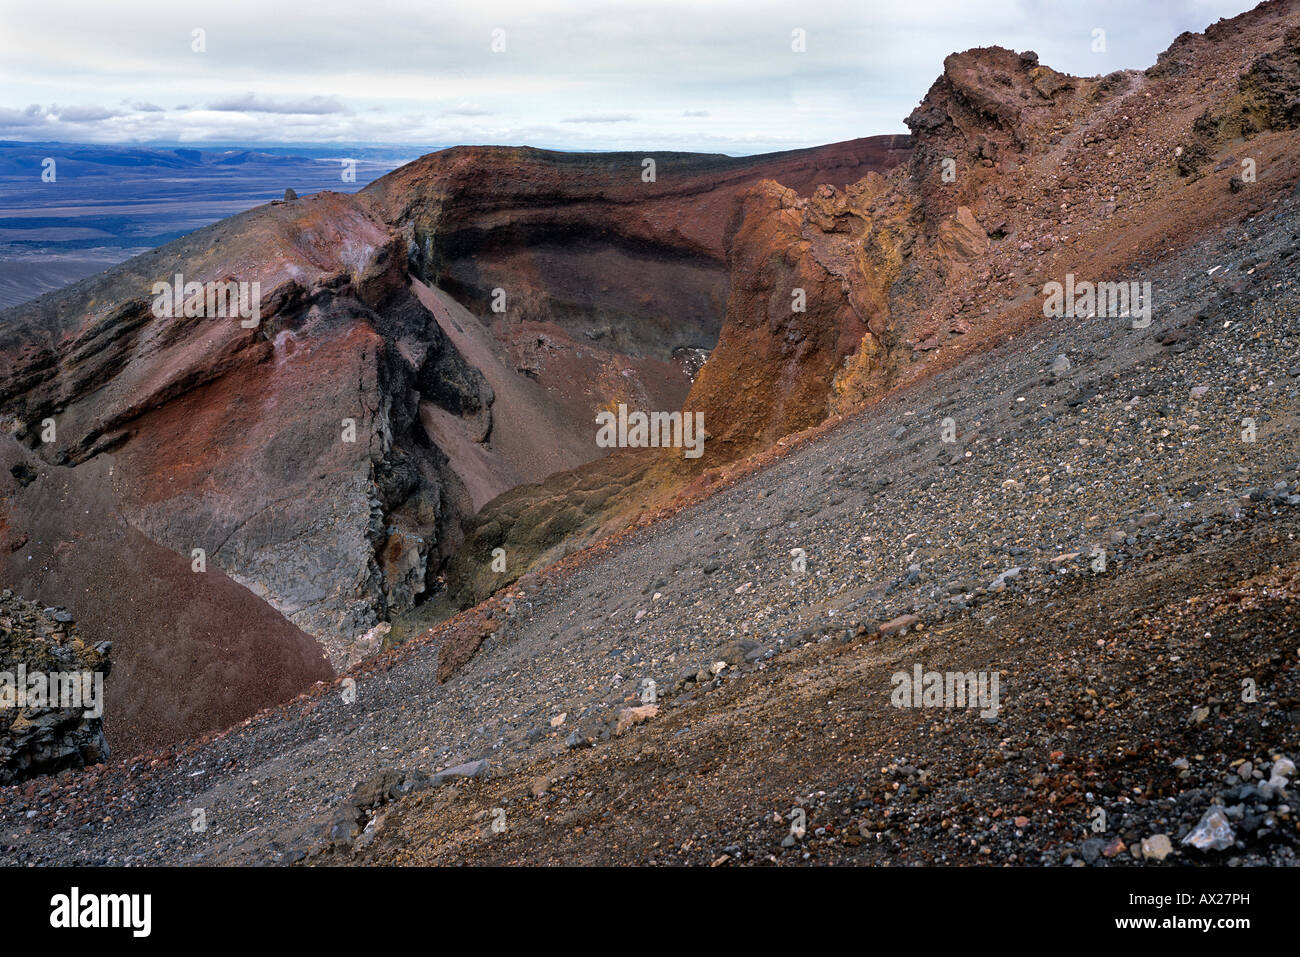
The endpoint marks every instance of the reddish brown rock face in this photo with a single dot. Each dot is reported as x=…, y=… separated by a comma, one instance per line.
x=608, y=281
x=857, y=259
x=789, y=322
x=1018, y=174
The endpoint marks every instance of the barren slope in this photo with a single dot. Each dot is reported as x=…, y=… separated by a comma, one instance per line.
x=1114, y=683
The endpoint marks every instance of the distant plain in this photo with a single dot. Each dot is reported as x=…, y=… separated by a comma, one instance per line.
x=109, y=203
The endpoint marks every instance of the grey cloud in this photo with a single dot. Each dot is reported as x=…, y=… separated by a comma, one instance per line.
x=82, y=114
x=251, y=103
x=21, y=118
x=600, y=118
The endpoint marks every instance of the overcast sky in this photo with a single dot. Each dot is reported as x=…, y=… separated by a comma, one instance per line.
x=710, y=75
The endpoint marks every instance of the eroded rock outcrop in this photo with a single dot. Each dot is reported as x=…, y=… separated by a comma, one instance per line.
x=1018, y=175
x=284, y=451
x=51, y=692
x=797, y=309
x=609, y=283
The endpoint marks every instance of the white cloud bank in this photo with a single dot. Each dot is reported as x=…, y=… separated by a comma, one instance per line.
x=568, y=74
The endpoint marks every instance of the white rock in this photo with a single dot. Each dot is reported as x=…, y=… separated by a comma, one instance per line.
x=1213, y=832
x=1157, y=847
x=1001, y=581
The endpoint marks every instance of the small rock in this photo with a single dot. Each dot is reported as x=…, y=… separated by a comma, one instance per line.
x=629, y=717
x=1000, y=582
x=1213, y=832
x=472, y=769
x=1157, y=847
x=901, y=623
